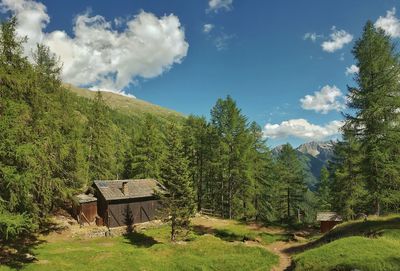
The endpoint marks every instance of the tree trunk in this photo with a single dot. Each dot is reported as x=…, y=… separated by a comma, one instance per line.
x=378, y=207
x=173, y=229
x=288, y=202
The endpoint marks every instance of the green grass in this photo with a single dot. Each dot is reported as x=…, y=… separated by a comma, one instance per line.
x=372, y=245
x=149, y=250
x=127, y=105
x=232, y=230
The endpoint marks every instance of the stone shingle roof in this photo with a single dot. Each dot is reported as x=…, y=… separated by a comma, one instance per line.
x=328, y=216
x=85, y=198
x=112, y=189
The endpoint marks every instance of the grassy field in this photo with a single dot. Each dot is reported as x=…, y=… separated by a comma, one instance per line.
x=150, y=249
x=127, y=105
x=373, y=245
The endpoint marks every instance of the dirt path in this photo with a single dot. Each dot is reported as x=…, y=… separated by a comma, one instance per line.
x=285, y=260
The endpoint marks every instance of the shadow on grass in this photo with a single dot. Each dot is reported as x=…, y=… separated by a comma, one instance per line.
x=20, y=252
x=370, y=229
x=140, y=239
x=17, y=253
x=223, y=234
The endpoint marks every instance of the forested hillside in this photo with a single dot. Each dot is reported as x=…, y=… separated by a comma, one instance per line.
x=54, y=143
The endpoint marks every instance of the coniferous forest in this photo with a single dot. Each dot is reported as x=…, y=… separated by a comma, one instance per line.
x=54, y=144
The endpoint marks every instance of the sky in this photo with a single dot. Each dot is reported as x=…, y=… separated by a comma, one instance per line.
x=286, y=63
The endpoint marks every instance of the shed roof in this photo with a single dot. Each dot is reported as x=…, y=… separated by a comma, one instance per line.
x=141, y=188
x=328, y=216
x=85, y=198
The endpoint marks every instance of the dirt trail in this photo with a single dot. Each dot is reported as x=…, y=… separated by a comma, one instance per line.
x=285, y=260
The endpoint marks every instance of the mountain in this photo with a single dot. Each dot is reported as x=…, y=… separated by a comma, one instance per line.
x=313, y=155
x=320, y=150
x=128, y=105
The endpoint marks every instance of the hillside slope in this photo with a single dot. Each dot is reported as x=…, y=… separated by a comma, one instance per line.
x=371, y=245
x=127, y=105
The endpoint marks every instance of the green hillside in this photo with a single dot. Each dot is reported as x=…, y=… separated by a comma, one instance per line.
x=127, y=105
x=356, y=245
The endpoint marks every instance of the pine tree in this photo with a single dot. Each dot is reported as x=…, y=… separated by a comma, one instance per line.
x=101, y=156
x=348, y=186
x=291, y=179
x=375, y=122
x=324, y=192
x=195, y=135
x=234, y=144
x=178, y=203
x=147, y=151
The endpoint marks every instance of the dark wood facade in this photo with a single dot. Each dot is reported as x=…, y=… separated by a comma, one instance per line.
x=86, y=209
x=328, y=220
x=327, y=225
x=127, y=212
x=117, y=210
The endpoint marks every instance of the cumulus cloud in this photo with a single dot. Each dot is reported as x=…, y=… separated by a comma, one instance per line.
x=301, y=128
x=353, y=69
x=207, y=28
x=98, y=56
x=216, y=5
x=325, y=100
x=311, y=36
x=338, y=39
x=390, y=24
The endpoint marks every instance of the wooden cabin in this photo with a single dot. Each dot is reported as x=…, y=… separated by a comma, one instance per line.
x=86, y=210
x=328, y=220
x=127, y=202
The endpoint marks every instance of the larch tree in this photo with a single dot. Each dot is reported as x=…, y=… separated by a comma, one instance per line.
x=375, y=103
x=291, y=179
x=147, y=151
x=178, y=202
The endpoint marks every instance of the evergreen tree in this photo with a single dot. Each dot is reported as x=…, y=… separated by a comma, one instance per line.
x=291, y=179
x=324, y=192
x=147, y=151
x=194, y=136
x=178, y=203
x=101, y=156
x=231, y=127
x=375, y=122
x=348, y=186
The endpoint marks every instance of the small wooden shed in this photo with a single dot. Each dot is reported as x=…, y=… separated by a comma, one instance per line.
x=127, y=202
x=86, y=211
x=328, y=220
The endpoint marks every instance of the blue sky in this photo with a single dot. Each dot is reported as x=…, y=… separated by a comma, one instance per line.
x=257, y=51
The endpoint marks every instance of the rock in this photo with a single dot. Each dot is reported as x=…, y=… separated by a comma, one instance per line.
x=29, y=257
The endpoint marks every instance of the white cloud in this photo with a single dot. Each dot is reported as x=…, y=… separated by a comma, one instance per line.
x=301, y=128
x=390, y=24
x=352, y=69
x=207, y=28
x=338, y=39
x=325, y=100
x=98, y=56
x=216, y=5
x=221, y=41
x=311, y=36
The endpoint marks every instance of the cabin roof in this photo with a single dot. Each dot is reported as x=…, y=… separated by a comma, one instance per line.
x=140, y=188
x=85, y=198
x=328, y=216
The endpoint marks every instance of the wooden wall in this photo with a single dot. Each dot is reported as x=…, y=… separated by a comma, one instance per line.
x=327, y=225
x=131, y=211
x=87, y=212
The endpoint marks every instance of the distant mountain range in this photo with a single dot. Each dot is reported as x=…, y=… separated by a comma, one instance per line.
x=313, y=155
